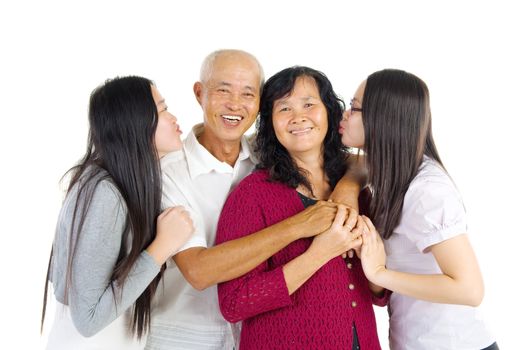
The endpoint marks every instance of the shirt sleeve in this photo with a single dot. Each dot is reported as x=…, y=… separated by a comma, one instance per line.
x=433, y=212
x=173, y=195
x=383, y=299
x=94, y=299
x=260, y=290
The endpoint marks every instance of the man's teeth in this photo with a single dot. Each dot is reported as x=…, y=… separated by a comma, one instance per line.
x=232, y=117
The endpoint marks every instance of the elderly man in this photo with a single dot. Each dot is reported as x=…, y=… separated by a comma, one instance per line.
x=216, y=156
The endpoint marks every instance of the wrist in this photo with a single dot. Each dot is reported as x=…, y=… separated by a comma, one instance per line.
x=379, y=276
x=156, y=251
x=293, y=230
x=317, y=256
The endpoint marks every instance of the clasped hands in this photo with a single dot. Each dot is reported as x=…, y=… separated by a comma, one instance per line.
x=340, y=230
x=369, y=246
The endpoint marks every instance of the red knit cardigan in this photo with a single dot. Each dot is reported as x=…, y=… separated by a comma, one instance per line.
x=321, y=313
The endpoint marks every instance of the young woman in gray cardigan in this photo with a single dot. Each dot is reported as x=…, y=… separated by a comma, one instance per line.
x=111, y=241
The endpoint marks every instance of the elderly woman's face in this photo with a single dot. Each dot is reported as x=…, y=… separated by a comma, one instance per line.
x=300, y=120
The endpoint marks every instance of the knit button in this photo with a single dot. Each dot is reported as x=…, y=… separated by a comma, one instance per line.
x=354, y=304
x=350, y=286
x=349, y=265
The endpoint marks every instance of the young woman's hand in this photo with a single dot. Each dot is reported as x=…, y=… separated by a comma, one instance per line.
x=357, y=232
x=372, y=252
x=174, y=228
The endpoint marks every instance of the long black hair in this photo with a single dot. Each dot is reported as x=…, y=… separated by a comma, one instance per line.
x=123, y=118
x=398, y=133
x=272, y=154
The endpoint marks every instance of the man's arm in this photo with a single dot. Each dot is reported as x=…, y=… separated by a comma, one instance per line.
x=269, y=286
x=204, y=267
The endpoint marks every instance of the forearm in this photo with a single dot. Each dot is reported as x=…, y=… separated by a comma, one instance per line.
x=347, y=192
x=252, y=294
x=206, y=267
x=299, y=270
x=94, y=304
x=260, y=292
x=433, y=288
x=348, y=188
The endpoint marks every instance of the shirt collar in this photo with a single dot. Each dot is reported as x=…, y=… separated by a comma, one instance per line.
x=200, y=161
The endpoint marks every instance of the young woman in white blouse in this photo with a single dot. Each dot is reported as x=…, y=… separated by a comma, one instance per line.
x=422, y=252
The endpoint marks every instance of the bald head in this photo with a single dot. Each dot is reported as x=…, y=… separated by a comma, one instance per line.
x=213, y=58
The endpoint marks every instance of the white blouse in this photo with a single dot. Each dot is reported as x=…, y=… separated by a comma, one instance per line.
x=433, y=212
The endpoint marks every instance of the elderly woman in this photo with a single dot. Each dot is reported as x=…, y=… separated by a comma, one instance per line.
x=305, y=296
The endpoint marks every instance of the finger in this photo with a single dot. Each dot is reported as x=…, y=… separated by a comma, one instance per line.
x=328, y=204
x=370, y=236
x=360, y=225
x=356, y=233
x=351, y=221
x=360, y=239
x=355, y=244
x=369, y=223
x=340, y=215
x=365, y=233
x=323, y=209
x=364, y=239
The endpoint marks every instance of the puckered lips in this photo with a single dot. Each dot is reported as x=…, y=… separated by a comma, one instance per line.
x=341, y=127
x=177, y=127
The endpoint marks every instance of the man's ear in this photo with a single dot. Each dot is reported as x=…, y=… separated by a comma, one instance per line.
x=198, y=89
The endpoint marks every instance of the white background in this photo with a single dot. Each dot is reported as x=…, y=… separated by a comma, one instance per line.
x=471, y=54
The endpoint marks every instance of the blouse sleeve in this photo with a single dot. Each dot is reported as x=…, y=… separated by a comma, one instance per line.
x=94, y=299
x=262, y=289
x=433, y=212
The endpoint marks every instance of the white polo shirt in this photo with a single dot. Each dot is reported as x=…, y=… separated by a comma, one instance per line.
x=182, y=317
x=433, y=212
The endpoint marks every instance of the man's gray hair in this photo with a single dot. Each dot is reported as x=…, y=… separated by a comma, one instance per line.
x=208, y=63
